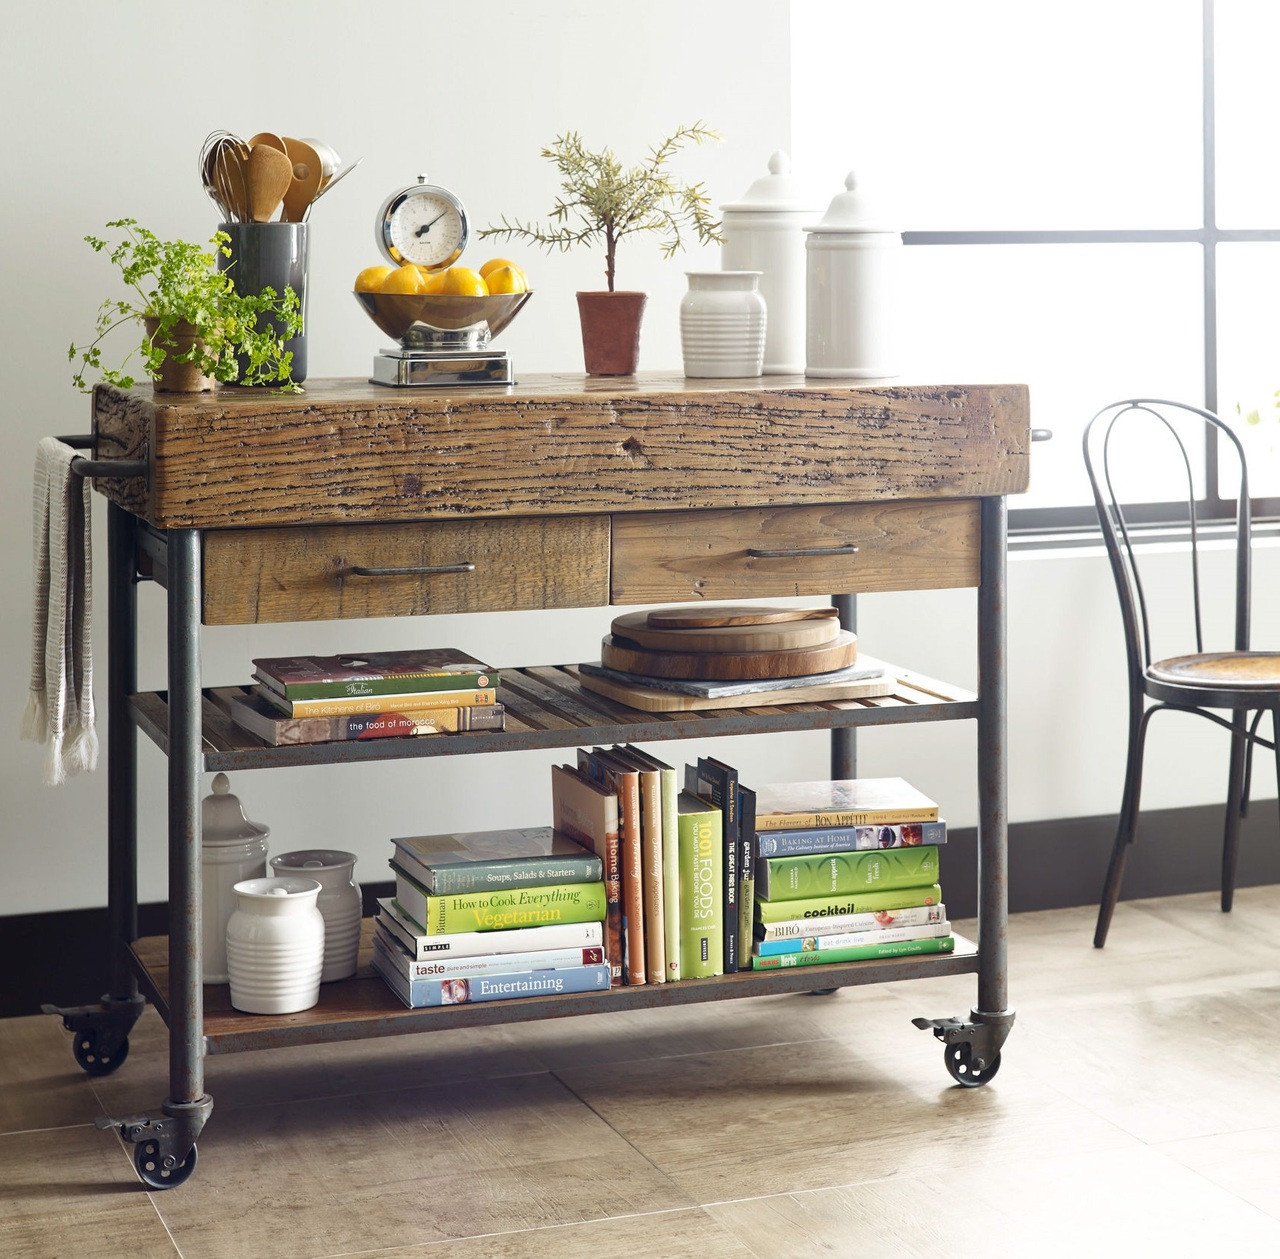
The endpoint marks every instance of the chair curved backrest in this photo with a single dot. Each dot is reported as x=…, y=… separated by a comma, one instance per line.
x=1166, y=430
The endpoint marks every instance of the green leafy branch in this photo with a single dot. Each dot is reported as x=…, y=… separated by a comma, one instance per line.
x=241, y=336
x=602, y=202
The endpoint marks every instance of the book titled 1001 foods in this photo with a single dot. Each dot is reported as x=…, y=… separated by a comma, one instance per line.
x=373, y=673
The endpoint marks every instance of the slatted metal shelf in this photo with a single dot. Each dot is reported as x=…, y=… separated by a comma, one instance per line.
x=547, y=707
x=363, y=1006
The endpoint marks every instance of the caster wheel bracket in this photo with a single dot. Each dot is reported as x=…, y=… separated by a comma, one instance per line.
x=165, y=1143
x=101, y=1031
x=982, y=1033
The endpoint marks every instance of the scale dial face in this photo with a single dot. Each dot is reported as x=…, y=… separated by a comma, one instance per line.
x=423, y=224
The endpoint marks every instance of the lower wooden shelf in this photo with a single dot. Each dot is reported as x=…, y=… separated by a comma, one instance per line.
x=363, y=1006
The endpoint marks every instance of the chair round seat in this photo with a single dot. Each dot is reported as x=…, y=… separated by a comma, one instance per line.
x=1220, y=671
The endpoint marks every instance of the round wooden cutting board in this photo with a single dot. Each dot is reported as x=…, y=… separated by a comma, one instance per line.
x=764, y=636
x=730, y=666
x=731, y=614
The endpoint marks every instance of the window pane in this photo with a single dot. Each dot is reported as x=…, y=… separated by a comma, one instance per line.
x=1004, y=115
x=1249, y=355
x=1247, y=35
x=1083, y=325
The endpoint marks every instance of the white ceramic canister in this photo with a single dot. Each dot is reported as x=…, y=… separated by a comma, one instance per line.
x=275, y=946
x=339, y=903
x=232, y=849
x=764, y=231
x=851, y=290
x=722, y=324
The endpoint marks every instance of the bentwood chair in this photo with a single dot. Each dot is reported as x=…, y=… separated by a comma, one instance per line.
x=1163, y=442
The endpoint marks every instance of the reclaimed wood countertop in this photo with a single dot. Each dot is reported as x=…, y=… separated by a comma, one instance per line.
x=347, y=450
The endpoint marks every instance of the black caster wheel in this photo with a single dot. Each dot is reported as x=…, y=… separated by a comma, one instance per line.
x=157, y=1172
x=822, y=992
x=93, y=1059
x=959, y=1060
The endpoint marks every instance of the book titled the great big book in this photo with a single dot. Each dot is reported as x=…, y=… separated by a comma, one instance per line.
x=843, y=873
x=499, y=909
x=476, y=861
x=841, y=802
x=373, y=673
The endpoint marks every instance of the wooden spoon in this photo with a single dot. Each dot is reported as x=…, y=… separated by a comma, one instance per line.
x=268, y=138
x=308, y=170
x=269, y=175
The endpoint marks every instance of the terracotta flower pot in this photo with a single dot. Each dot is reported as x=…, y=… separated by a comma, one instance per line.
x=611, y=331
x=178, y=377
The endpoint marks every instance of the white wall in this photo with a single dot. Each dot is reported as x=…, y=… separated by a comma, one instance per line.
x=104, y=108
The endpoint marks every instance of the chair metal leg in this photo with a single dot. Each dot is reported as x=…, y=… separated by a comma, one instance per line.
x=1126, y=826
x=1235, y=807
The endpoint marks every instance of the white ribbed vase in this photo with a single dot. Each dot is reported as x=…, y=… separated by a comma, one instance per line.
x=722, y=324
x=339, y=903
x=275, y=946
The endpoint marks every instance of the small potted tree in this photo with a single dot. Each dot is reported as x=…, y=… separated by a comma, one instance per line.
x=601, y=203
x=194, y=328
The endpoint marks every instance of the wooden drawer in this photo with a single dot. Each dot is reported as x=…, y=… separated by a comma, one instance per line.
x=769, y=552
x=257, y=575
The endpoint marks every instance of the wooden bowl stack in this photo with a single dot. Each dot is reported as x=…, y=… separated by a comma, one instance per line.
x=729, y=643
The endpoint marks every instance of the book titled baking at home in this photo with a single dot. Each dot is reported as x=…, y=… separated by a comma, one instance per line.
x=373, y=673
x=474, y=861
x=841, y=802
x=799, y=843
x=416, y=993
x=844, y=873
x=834, y=906
x=462, y=944
x=410, y=704
x=499, y=909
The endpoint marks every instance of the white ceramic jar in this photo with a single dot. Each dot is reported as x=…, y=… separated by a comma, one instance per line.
x=851, y=290
x=232, y=849
x=339, y=903
x=722, y=324
x=764, y=231
x=275, y=946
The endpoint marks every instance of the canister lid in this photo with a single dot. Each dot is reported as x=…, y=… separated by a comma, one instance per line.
x=778, y=190
x=222, y=819
x=850, y=211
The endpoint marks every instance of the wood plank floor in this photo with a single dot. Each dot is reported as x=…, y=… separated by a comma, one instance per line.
x=1137, y=1111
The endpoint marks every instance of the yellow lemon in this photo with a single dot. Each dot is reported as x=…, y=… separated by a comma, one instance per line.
x=370, y=279
x=509, y=279
x=493, y=264
x=404, y=279
x=432, y=280
x=463, y=282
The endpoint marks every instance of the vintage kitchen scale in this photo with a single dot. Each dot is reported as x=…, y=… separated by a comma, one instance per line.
x=444, y=339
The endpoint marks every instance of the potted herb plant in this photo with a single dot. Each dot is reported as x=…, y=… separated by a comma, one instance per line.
x=601, y=203
x=195, y=329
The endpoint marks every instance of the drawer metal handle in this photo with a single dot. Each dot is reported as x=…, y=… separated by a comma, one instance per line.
x=792, y=552
x=412, y=570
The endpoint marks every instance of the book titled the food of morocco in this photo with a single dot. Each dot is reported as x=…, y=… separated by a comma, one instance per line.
x=252, y=712
x=410, y=704
x=768, y=912
x=499, y=909
x=374, y=673
x=474, y=861
x=841, y=802
x=863, y=953
x=416, y=993
x=913, y=916
x=565, y=935
x=811, y=839
x=837, y=873
x=850, y=939
x=484, y=963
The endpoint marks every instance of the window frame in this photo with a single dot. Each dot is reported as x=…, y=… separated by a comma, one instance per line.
x=1208, y=236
